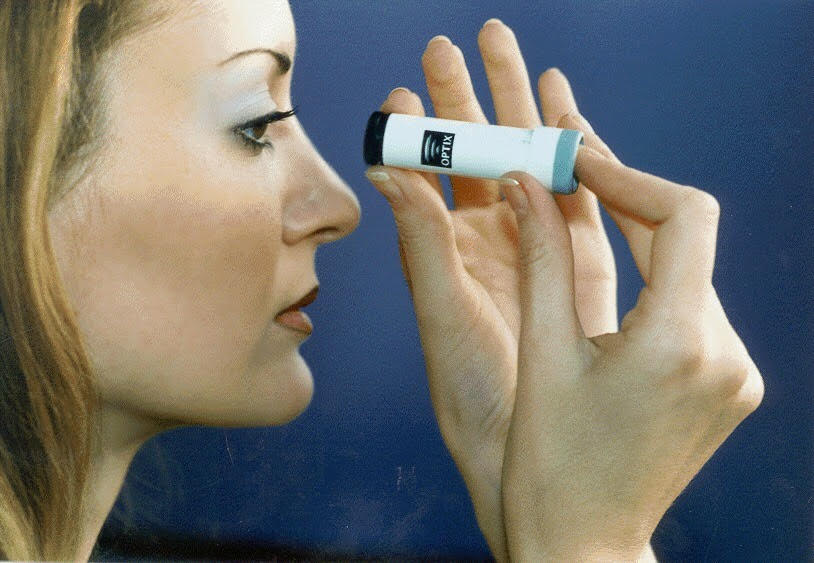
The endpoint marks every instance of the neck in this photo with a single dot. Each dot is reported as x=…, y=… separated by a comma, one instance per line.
x=121, y=434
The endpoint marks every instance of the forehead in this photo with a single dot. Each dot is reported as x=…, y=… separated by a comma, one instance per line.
x=229, y=26
x=205, y=32
x=171, y=65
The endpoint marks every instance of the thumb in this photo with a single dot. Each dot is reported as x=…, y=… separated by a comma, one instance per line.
x=426, y=240
x=549, y=321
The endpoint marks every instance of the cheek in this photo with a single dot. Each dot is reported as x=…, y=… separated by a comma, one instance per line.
x=172, y=278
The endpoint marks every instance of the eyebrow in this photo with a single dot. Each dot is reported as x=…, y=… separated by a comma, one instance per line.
x=283, y=60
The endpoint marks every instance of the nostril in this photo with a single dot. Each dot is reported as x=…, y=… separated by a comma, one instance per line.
x=328, y=234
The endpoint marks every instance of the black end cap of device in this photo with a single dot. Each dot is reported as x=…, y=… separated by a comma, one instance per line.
x=374, y=137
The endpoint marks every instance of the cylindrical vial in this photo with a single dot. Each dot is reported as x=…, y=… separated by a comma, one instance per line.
x=462, y=148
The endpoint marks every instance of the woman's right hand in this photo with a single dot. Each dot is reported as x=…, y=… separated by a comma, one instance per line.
x=607, y=431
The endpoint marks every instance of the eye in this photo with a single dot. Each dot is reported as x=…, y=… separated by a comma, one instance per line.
x=251, y=133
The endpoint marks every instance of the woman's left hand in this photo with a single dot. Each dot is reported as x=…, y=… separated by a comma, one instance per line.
x=462, y=265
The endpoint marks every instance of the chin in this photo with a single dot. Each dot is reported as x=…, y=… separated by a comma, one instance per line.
x=277, y=398
x=299, y=391
x=269, y=395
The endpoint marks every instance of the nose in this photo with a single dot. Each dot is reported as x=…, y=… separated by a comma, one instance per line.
x=319, y=205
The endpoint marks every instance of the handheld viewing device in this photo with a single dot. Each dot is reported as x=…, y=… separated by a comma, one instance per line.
x=462, y=148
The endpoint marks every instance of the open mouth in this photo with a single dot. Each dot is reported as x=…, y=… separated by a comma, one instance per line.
x=292, y=317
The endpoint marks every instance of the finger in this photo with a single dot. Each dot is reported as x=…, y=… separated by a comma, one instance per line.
x=556, y=96
x=578, y=121
x=686, y=219
x=507, y=76
x=594, y=264
x=639, y=236
x=448, y=82
x=427, y=240
x=404, y=268
x=452, y=95
x=556, y=100
x=402, y=100
x=550, y=327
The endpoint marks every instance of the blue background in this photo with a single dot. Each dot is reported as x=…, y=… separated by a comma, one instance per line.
x=713, y=94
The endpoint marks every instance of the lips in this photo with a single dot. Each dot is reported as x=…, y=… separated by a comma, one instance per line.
x=291, y=317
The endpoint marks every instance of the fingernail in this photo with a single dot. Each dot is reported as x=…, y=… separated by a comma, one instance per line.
x=565, y=122
x=443, y=38
x=377, y=176
x=577, y=121
x=384, y=183
x=554, y=69
x=492, y=20
x=514, y=195
x=581, y=119
x=398, y=89
x=508, y=183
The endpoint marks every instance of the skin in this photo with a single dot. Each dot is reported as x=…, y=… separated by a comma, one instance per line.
x=183, y=245
x=473, y=386
x=573, y=436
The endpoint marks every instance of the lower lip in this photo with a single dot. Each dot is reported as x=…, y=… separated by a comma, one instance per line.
x=295, y=320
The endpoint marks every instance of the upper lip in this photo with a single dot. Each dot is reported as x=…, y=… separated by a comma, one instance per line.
x=305, y=300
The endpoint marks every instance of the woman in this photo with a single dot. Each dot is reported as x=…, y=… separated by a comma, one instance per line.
x=163, y=207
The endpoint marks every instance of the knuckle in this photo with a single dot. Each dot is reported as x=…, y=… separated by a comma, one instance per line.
x=704, y=206
x=746, y=390
x=733, y=380
x=440, y=73
x=688, y=359
x=496, y=58
x=734, y=393
x=753, y=391
x=536, y=255
x=681, y=348
x=723, y=385
x=441, y=79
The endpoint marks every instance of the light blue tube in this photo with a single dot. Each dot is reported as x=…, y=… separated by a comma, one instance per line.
x=565, y=157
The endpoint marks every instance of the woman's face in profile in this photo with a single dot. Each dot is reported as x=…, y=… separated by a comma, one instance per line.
x=188, y=239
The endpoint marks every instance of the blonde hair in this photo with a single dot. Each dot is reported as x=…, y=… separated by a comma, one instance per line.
x=50, y=119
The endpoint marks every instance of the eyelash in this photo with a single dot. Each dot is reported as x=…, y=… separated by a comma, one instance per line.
x=253, y=142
